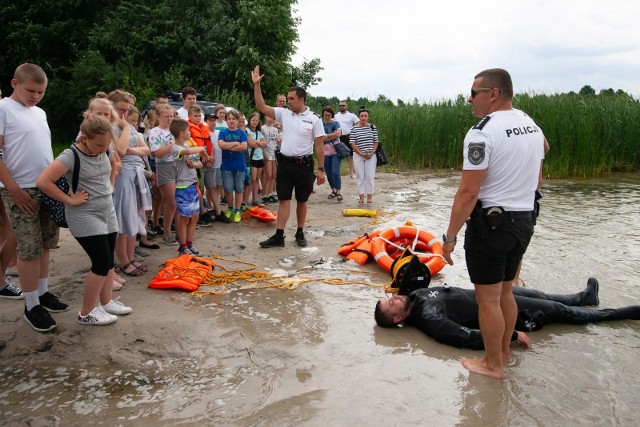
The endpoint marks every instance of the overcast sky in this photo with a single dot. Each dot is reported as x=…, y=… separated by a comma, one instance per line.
x=430, y=50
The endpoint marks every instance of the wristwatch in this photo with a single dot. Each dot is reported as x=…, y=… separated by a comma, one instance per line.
x=321, y=169
x=445, y=239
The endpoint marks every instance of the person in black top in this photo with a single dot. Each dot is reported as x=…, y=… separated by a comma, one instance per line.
x=450, y=315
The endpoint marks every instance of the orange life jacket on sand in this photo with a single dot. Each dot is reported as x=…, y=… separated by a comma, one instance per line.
x=262, y=214
x=185, y=273
x=359, y=249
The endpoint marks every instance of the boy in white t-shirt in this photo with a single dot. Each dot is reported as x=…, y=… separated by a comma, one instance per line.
x=26, y=143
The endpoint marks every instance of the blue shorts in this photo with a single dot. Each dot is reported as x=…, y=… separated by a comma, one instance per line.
x=187, y=201
x=233, y=181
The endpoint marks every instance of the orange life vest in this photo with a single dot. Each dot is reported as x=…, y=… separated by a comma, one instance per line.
x=201, y=135
x=185, y=272
x=262, y=214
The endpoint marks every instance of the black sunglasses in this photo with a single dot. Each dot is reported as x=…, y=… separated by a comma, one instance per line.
x=474, y=92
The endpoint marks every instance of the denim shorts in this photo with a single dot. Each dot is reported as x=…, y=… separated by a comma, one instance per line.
x=233, y=181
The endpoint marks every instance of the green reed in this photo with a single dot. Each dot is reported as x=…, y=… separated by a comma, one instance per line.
x=589, y=135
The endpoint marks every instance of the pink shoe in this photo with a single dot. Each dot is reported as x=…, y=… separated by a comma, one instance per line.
x=116, y=285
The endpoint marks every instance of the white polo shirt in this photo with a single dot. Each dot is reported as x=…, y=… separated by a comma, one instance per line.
x=510, y=146
x=298, y=131
x=346, y=120
x=27, y=141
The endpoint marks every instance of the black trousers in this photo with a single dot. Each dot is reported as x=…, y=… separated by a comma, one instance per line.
x=536, y=308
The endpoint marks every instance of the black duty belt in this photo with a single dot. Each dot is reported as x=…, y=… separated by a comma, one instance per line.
x=299, y=159
x=513, y=215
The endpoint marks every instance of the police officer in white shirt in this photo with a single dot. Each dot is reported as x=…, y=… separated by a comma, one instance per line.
x=346, y=119
x=503, y=154
x=301, y=129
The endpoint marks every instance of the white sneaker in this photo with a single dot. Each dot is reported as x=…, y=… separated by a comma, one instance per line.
x=96, y=317
x=116, y=307
x=104, y=313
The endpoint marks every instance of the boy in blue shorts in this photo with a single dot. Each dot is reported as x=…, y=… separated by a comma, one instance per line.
x=187, y=200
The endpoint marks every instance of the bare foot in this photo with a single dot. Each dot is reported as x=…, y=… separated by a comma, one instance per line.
x=479, y=366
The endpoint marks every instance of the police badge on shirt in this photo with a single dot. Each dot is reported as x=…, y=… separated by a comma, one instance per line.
x=476, y=152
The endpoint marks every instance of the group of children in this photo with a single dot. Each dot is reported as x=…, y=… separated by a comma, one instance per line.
x=236, y=162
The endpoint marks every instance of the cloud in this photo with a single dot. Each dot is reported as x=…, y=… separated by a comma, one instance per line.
x=431, y=50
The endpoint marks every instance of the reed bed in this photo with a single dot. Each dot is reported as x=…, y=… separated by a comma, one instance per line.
x=590, y=135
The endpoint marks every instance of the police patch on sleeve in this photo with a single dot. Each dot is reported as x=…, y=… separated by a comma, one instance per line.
x=475, y=153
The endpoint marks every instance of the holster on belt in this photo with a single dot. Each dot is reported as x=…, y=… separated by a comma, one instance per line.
x=477, y=222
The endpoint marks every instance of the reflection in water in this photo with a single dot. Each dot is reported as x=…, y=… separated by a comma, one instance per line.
x=313, y=356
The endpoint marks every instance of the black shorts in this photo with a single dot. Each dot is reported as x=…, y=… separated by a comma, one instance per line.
x=295, y=173
x=345, y=139
x=495, y=258
x=257, y=163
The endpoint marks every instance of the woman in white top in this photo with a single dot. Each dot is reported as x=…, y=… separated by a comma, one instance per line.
x=364, y=140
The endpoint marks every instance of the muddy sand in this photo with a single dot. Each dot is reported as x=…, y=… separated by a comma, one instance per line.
x=308, y=356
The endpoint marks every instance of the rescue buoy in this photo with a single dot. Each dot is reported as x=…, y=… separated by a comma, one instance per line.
x=262, y=214
x=371, y=213
x=185, y=273
x=411, y=237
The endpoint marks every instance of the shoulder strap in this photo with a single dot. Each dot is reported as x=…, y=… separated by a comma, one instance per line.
x=76, y=169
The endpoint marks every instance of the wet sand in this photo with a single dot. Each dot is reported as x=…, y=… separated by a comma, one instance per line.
x=313, y=356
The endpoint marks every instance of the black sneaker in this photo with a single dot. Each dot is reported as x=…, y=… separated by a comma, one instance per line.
x=209, y=217
x=39, y=319
x=52, y=303
x=272, y=242
x=11, y=291
x=300, y=240
x=223, y=218
x=158, y=229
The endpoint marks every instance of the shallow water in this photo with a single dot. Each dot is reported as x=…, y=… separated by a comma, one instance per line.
x=314, y=357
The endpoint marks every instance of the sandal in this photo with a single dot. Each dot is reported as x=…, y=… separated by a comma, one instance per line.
x=361, y=202
x=332, y=195
x=369, y=202
x=140, y=266
x=136, y=272
x=339, y=197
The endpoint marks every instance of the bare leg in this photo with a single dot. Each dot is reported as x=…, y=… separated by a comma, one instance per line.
x=93, y=285
x=182, y=230
x=492, y=325
x=169, y=211
x=284, y=209
x=191, y=227
x=510, y=312
x=301, y=213
x=106, y=293
x=29, y=271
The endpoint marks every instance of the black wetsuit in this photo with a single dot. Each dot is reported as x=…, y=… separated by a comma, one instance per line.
x=450, y=315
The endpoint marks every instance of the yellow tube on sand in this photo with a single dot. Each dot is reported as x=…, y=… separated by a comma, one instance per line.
x=372, y=213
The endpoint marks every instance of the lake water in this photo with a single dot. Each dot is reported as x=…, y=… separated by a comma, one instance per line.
x=314, y=356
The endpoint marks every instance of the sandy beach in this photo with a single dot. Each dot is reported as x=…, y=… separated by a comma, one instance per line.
x=313, y=355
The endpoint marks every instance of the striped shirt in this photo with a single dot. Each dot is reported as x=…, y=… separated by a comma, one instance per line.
x=364, y=137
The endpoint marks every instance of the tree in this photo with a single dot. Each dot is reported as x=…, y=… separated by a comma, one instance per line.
x=587, y=90
x=147, y=46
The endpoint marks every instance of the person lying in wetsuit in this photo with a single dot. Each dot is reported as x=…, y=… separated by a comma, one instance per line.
x=450, y=315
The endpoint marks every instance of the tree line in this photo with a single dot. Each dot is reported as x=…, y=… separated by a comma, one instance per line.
x=149, y=47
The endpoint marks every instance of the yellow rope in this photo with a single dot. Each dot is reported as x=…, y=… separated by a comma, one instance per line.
x=220, y=283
